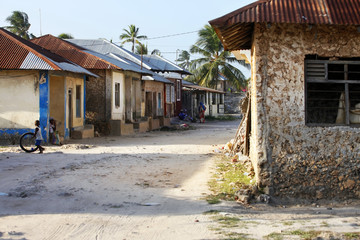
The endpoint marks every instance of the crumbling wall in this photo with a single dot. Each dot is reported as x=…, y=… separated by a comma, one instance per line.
x=96, y=103
x=291, y=159
x=232, y=102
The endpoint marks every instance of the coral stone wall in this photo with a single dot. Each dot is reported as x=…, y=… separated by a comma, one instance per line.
x=291, y=159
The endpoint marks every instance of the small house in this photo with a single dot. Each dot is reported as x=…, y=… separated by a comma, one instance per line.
x=36, y=84
x=193, y=94
x=113, y=101
x=159, y=93
x=301, y=130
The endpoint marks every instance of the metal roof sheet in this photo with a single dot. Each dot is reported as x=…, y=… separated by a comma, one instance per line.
x=235, y=29
x=200, y=88
x=18, y=53
x=151, y=62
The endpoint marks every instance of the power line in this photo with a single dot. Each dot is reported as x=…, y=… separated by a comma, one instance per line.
x=172, y=35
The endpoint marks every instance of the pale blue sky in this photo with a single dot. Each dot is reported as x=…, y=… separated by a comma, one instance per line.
x=107, y=18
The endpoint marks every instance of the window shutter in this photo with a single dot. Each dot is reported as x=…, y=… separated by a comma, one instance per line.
x=315, y=70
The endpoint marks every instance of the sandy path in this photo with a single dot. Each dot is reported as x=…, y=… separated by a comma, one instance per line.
x=147, y=186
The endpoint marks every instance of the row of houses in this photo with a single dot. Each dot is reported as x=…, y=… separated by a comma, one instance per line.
x=87, y=83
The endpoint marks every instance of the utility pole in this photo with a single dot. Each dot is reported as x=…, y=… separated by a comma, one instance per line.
x=40, y=22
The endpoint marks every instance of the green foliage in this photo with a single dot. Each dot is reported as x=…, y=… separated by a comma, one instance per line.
x=352, y=235
x=65, y=36
x=131, y=35
x=184, y=60
x=229, y=178
x=19, y=24
x=141, y=49
x=215, y=62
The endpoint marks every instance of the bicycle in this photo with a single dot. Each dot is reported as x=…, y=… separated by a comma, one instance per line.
x=27, y=142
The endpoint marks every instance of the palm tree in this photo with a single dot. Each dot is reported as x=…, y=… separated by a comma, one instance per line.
x=65, y=36
x=20, y=25
x=184, y=59
x=131, y=35
x=141, y=49
x=156, y=52
x=215, y=61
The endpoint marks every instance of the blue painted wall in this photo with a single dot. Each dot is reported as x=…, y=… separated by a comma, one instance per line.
x=44, y=102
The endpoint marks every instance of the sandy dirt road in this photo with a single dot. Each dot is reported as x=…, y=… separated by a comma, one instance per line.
x=147, y=186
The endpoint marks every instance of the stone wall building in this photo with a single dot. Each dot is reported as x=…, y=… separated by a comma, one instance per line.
x=302, y=133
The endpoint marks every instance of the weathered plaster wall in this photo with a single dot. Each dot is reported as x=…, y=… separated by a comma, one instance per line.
x=118, y=113
x=57, y=102
x=291, y=159
x=232, y=102
x=19, y=101
x=71, y=83
x=155, y=87
x=95, y=94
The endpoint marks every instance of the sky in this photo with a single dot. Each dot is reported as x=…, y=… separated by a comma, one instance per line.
x=108, y=18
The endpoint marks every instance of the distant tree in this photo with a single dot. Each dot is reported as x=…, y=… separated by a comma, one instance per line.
x=215, y=61
x=132, y=35
x=141, y=49
x=19, y=24
x=156, y=52
x=184, y=59
x=65, y=36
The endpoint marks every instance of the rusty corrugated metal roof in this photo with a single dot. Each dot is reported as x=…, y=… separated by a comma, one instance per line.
x=235, y=28
x=73, y=52
x=17, y=53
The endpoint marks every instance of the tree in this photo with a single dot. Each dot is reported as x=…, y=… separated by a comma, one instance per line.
x=215, y=61
x=65, y=36
x=20, y=25
x=132, y=35
x=184, y=59
x=141, y=49
x=156, y=52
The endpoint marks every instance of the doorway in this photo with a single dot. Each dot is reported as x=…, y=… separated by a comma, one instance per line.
x=70, y=115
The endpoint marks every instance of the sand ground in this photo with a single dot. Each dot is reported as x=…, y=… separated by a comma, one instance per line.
x=147, y=186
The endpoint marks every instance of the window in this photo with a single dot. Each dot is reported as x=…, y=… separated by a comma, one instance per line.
x=178, y=90
x=213, y=98
x=78, y=101
x=168, y=93
x=117, y=95
x=332, y=92
x=172, y=94
x=159, y=101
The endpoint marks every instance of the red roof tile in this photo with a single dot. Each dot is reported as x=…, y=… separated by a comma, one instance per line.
x=334, y=12
x=73, y=52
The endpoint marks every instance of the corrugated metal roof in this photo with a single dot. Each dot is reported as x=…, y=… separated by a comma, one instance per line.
x=32, y=62
x=150, y=62
x=193, y=86
x=161, y=64
x=18, y=53
x=235, y=29
x=73, y=52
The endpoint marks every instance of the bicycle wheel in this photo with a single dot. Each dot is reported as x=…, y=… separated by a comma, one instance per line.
x=27, y=142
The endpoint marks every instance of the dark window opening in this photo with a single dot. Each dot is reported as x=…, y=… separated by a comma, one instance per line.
x=332, y=92
x=117, y=95
x=78, y=101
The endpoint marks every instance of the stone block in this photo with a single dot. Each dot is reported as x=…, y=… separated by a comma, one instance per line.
x=83, y=132
x=154, y=124
x=120, y=128
x=141, y=126
x=164, y=121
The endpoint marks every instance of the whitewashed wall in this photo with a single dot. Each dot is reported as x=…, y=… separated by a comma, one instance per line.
x=19, y=99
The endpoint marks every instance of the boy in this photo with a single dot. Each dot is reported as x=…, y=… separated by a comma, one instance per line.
x=38, y=136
